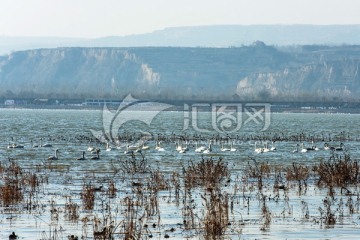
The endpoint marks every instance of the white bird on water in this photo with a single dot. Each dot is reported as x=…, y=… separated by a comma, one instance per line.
x=296, y=149
x=199, y=149
x=208, y=150
x=273, y=148
x=258, y=150
x=232, y=149
x=157, y=147
x=55, y=157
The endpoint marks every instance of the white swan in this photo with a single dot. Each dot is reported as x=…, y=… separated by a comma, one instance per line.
x=108, y=147
x=208, y=150
x=273, y=148
x=199, y=149
x=232, y=149
x=303, y=149
x=258, y=150
x=45, y=145
x=326, y=146
x=158, y=147
x=266, y=148
x=296, y=149
x=130, y=149
x=178, y=146
x=133, y=148
x=183, y=149
x=144, y=147
x=14, y=145
x=314, y=147
x=55, y=157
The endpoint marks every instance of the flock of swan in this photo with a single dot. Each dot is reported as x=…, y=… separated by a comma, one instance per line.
x=299, y=148
x=180, y=147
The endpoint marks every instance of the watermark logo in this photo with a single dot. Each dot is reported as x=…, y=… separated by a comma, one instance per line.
x=258, y=113
x=128, y=110
x=227, y=117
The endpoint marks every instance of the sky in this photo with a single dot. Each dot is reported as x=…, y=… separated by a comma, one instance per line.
x=100, y=18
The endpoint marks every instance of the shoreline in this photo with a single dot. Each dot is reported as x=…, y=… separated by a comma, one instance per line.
x=273, y=109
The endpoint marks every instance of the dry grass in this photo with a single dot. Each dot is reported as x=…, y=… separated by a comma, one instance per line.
x=337, y=172
x=88, y=197
x=207, y=173
x=216, y=219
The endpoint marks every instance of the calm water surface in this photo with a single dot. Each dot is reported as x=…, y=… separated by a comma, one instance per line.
x=68, y=131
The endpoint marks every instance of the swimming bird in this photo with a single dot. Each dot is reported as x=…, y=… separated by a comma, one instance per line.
x=97, y=189
x=340, y=148
x=108, y=147
x=55, y=157
x=208, y=150
x=45, y=145
x=133, y=147
x=232, y=149
x=314, y=147
x=178, y=146
x=182, y=149
x=144, y=147
x=34, y=145
x=303, y=149
x=157, y=147
x=130, y=150
x=326, y=146
x=83, y=156
x=14, y=145
x=273, y=148
x=296, y=149
x=13, y=236
x=199, y=149
x=73, y=237
x=266, y=148
x=258, y=150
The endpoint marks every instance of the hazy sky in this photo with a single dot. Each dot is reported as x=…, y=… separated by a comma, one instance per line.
x=98, y=18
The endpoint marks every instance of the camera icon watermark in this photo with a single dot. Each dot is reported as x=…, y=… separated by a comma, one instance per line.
x=227, y=117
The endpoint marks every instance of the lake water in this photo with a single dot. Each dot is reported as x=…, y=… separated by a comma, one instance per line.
x=69, y=131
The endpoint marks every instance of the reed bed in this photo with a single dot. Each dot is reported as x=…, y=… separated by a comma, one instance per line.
x=132, y=198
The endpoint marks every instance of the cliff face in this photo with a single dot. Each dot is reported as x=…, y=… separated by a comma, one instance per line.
x=75, y=72
x=256, y=72
x=327, y=74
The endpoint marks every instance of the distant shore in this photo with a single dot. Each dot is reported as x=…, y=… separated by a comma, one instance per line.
x=345, y=108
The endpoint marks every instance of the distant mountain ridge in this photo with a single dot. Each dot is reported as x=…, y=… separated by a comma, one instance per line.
x=201, y=36
x=256, y=72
